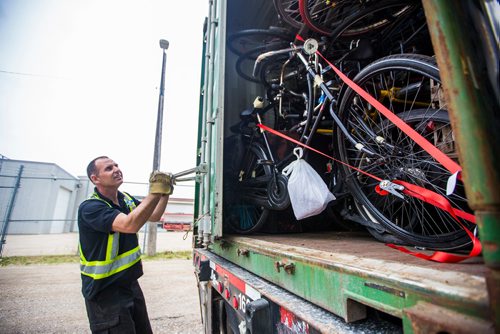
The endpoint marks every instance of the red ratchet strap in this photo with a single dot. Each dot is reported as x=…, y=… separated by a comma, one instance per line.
x=440, y=202
x=295, y=141
x=415, y=191
x=412, y=190
x=442, y=158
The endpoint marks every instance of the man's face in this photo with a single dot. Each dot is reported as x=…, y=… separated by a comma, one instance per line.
x=108, y=174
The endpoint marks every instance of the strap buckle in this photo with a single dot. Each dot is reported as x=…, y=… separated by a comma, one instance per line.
x=392, y=188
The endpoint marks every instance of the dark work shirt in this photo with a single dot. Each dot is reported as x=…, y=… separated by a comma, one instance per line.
x=95, y=220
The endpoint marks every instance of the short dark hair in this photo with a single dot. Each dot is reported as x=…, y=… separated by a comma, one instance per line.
x=91, y=168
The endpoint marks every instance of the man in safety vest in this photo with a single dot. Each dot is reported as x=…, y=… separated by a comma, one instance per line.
x=110, y=258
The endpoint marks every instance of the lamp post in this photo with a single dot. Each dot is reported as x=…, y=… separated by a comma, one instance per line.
x=152, y=227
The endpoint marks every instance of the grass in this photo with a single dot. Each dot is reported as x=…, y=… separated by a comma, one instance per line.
x=29, y=260
x=56, y=259
x=187, y=255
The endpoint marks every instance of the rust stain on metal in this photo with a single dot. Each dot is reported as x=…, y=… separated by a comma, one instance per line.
x=288, y=267
x=243, y=252
x=224, y=244
x=359, y=254
x=464, y=83
x=429, y=318
x=492, y=279
x=387, y=289
x=490, y=246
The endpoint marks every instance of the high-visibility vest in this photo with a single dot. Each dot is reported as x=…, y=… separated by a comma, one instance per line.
x=114, y=262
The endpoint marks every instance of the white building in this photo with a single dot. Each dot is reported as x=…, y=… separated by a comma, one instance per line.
x=47, y=198
x=37, y=197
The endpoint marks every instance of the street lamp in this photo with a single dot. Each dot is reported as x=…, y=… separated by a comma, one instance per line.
x=159, y=121
x=152, y=227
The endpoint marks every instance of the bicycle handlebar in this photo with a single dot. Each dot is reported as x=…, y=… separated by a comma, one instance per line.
x=268, y=54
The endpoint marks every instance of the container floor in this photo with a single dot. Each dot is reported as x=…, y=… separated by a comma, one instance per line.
x=361, y=253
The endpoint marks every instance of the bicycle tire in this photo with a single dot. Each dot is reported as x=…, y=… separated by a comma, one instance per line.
x=242, y=216
x=244, y=65
x=268, y=70
x=366, y=20
x=322, y=17
x=420, y=224
x=246, y=41
x=288, y=11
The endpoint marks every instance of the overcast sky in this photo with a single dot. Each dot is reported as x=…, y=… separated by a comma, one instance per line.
x=80, y=78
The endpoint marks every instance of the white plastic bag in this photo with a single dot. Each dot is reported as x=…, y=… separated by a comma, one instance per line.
x=308, y=193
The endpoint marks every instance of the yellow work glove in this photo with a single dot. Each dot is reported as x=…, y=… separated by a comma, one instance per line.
x=160, y=183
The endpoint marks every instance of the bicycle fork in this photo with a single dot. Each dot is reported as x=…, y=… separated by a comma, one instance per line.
x=319, y=82
x=269, y=152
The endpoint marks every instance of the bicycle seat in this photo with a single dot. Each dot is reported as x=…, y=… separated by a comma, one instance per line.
x=247, y=113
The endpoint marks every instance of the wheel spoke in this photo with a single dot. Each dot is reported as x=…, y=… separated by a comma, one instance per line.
x=414, y=95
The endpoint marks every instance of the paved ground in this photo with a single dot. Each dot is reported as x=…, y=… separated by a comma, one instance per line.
x=47, y=298
x=67, y=243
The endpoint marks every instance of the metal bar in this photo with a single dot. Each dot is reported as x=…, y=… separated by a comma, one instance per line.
x=206, y=91
x=193, y=178
x=203, y=73
x=10, y=208
x=186, y=172
x=205, y=231
x=474, y=114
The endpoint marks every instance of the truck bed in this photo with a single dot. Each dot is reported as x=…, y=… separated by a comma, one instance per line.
x=336, y=246
x=347, y=272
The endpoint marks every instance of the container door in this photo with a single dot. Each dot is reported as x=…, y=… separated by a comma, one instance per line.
x=209, y=192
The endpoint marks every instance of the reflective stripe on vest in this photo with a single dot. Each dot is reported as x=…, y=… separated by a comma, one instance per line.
x=114, y=262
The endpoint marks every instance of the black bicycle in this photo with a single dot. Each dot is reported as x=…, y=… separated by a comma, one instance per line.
x=300, y=88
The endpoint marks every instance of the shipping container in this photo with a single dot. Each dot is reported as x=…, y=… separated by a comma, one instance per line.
x=262, y=270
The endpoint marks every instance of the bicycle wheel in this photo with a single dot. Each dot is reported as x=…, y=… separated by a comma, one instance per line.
x=246, y=41
x=323, y=16
x=371, y=18
x=288, y=11
x=410, y=87
x=245, y=64
x=247, y=211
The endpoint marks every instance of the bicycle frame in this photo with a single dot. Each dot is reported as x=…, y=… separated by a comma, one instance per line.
x=313, y=75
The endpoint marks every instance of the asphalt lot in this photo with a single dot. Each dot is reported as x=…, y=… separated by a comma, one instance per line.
x=47, y=298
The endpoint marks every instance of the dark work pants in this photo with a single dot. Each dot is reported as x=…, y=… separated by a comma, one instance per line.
x=119, y=309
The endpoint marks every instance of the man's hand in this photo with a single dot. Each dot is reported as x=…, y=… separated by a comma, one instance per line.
x=160, y=183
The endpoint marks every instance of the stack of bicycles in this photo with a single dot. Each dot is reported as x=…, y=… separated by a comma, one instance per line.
x=370, y=161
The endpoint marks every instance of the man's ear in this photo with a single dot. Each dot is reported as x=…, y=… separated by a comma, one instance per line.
x=93, y=178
